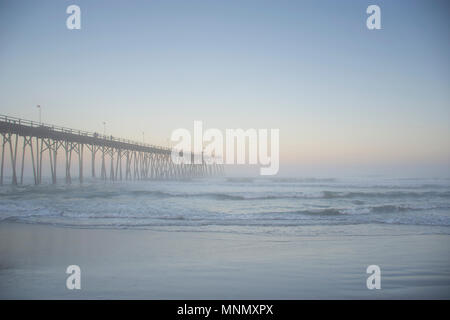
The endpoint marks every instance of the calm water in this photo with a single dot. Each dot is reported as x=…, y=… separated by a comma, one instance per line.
x=234, y=205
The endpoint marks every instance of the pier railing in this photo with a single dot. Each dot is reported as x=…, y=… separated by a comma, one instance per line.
x=60, y=129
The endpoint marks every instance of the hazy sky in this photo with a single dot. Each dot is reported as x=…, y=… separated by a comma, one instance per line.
x=339, y=93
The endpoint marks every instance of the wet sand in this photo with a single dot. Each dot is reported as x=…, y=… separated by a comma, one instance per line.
x=147, y=264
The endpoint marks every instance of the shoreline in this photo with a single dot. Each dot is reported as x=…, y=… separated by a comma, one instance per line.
x=150, y=264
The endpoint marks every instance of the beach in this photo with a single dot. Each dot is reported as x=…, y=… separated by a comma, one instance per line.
x=302, y=238
x=148, y=264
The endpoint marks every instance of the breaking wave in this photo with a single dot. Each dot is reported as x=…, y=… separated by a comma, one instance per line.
x=261, y=202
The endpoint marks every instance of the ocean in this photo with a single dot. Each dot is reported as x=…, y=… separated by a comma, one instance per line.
x=237, y=205
x=227, y=238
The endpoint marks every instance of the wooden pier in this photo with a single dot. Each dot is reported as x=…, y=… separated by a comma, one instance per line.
x=121, y=159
